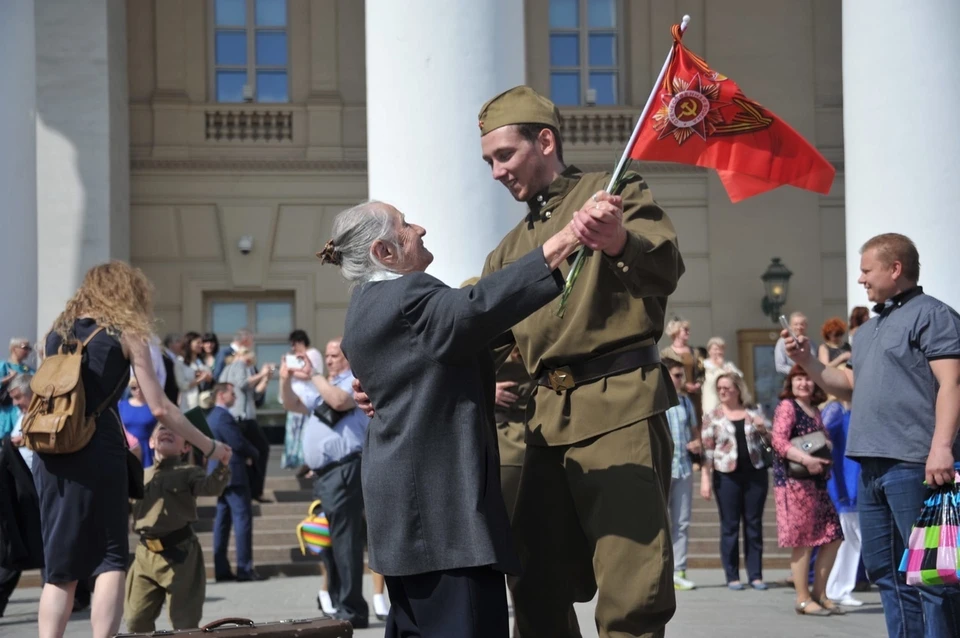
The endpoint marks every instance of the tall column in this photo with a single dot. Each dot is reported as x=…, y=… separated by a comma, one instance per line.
x=901, y=154
x=431, y=64
x=18, y=176
x=83, y=165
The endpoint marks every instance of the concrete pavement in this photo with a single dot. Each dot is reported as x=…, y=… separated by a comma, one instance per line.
x=710, y=610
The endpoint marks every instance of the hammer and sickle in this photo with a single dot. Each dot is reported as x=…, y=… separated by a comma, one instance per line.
x=688, y=108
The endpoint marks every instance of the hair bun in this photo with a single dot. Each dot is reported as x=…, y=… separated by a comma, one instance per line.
x=330, y=254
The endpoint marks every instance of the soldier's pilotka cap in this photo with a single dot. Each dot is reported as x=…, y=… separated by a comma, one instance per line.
x=519, y=105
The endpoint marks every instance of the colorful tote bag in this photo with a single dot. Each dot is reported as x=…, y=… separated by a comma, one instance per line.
x=931, y=554
x=314, y=532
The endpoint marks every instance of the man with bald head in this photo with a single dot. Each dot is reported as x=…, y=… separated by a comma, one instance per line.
x=333, y=436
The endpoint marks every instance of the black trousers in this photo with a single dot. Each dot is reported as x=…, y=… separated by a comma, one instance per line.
x=466, y=603
x=341, y=499
x=741, y=497
x=8, y=582
x=257, y=473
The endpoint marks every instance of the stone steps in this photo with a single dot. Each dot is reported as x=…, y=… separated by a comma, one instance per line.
x=276, y=551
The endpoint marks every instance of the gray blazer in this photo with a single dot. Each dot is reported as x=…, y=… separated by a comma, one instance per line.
x=431, y=476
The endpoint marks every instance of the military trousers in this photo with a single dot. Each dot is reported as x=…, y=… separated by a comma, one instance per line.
x=595, y=512
x=176, y=577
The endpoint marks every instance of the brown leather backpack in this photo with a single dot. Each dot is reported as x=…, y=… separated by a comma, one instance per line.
x=56, y=421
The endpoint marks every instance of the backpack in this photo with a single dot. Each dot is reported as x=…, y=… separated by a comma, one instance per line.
x=56, y=421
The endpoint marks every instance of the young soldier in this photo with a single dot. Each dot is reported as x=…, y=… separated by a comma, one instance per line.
x=591, y=506
x=169, y=562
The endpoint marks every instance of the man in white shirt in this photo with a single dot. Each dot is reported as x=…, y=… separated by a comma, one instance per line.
x=798, y=324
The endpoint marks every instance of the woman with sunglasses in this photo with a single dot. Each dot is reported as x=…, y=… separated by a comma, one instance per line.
x=20, y=350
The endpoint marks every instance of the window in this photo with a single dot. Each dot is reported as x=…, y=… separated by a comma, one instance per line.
x=585, y=52
x=250, y=51
x=271, y=321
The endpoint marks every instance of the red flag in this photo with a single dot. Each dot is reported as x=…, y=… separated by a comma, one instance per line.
x=701, y=117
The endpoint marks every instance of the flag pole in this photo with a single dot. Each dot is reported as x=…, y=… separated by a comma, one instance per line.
x=620, y=169
x=622, y=164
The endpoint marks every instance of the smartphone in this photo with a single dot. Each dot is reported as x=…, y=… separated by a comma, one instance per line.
x=294, y=362
x=786, y=326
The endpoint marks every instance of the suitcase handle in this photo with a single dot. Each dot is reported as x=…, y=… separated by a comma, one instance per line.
x=227, y=621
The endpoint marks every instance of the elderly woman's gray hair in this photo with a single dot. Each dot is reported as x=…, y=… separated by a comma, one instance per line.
x=21, y=382
x=355, y=231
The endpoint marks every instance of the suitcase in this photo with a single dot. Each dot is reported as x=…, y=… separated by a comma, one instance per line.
x=325, y=627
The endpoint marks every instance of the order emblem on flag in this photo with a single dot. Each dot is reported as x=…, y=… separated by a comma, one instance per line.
x=701, y=117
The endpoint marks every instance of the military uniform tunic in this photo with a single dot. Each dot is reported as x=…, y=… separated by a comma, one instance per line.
x=176, y=574
x=617, y=304
x=591, y=506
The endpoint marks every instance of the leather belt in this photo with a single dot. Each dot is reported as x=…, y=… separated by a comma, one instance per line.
x=335, y=464
x=606, y=365
x=158, y=544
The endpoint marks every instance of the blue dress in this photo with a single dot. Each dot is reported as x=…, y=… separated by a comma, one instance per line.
x=9, y=414
x=140, y=422
x=83, y=496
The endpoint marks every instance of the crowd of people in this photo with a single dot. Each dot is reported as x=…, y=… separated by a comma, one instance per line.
x=585, y=491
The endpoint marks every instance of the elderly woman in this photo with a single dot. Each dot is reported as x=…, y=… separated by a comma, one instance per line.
x=438, y=528
x=733, y=466
x=713, y=366
x=806, y=517
x=20, y=350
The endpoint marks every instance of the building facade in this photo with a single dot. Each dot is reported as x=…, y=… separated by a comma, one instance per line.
x=211, y=143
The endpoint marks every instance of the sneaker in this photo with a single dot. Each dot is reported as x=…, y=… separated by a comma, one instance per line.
x=849, y=601
x=381, y=606
x=681, y=583
x=325, y=604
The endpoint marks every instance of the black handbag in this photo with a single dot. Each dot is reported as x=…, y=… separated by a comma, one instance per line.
x=815, y=444
x=766, y=449
x=134, y=475
x=327, y=414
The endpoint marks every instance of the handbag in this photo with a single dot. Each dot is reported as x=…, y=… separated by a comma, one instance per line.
x=313, y=532
x=327, y=414
x=815, y=444
x=134, y=466
x=931, y=554
x=766, y=449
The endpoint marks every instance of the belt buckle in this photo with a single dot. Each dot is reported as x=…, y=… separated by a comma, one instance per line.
x=561, y=379
x=154, y=545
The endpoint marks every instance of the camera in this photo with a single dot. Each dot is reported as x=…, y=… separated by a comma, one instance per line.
x=245, y=244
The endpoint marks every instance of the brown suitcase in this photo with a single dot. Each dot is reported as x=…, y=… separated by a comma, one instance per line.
x=325, y=627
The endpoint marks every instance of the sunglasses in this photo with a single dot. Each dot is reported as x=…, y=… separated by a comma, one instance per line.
x=25, y=346
x=134, y=387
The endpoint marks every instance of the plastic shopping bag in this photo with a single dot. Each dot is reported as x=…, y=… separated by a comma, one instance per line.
x=931, y=554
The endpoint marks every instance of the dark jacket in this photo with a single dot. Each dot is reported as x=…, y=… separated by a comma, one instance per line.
x=431, y=478
x=21, y=542
x=225, y=428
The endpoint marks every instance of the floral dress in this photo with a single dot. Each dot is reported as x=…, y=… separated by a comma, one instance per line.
x=805, y=514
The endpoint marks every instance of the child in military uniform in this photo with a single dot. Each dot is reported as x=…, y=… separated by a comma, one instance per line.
x=169, y=562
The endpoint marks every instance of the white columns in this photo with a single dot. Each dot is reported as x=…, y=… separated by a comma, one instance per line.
x=18, y=209
x=901, y=102
x=83, y=166
x=431, y=64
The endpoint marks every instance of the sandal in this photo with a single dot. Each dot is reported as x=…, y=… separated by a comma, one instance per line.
x=831, y=606
x=801, y=609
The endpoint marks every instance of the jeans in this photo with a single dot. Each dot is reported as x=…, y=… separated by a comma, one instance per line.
x=741, y=497
x=681, y=505
x=890, y=497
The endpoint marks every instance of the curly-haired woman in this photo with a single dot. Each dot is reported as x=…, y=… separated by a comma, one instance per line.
x=83, y=495
x=834, y=351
